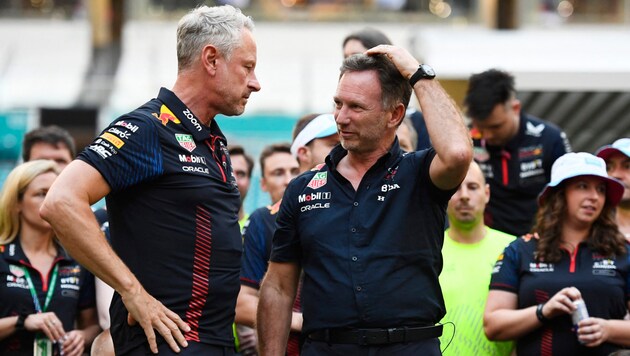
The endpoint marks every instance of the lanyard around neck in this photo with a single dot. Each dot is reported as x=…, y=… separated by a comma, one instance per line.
x=51, y=288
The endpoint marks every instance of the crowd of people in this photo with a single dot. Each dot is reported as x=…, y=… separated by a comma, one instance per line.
x=392, y=230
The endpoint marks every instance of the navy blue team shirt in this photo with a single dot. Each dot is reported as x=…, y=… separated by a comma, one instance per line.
x=518, y=172
x=371, y=257
x=603, y=281
x=73, y=292
x=173, y=216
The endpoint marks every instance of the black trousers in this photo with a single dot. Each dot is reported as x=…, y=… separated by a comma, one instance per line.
x=429, y=347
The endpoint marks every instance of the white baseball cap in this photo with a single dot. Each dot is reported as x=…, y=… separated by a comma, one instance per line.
x=322, y=126
x=622, y=145
x=578, y=164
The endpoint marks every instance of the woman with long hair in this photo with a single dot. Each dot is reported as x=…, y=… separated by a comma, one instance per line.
x=44, y=293
x=575, y=255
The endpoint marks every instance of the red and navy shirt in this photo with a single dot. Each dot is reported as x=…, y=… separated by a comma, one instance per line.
x=73, y=292
x=370, y=257
x=173, y=216
x=518, y=172
x=604, y=283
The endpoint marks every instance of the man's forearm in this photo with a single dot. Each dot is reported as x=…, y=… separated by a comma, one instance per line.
x=273, y=321
x=445, y=124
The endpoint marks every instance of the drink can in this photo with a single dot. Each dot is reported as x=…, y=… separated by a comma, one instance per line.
x=580, y=313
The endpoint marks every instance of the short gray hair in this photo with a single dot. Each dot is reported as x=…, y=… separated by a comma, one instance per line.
x=218, y=25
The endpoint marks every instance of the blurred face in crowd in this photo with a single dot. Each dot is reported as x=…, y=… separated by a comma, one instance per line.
x=502, y=124
x=239, y=166
x=279, y=169
x=58, y=153
x=359, y=113
x=237, y=76
x=618, y=167
x=32, y=200
x=353, y=47
x=404, y=138
x=466, y=207
x=319, y=148
x=585, y=197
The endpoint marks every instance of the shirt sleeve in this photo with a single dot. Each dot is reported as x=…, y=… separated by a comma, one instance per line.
x=437, y=194
x=505, y=274
x=126, y=153
x=286, y=246
x=255, y=258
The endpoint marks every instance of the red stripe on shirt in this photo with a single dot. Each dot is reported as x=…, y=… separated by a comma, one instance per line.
x=201, y=271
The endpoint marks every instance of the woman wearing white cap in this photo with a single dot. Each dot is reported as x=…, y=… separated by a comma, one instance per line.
x=575, y=254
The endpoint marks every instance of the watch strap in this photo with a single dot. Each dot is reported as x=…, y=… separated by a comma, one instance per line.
x=19, y=324
x=421, y=73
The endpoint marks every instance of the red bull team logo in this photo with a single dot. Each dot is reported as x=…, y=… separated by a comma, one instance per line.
x=318, y=181
x=166, y=115
x=186, y=141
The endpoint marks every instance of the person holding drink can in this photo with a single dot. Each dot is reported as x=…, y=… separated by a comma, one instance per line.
x=575, y=263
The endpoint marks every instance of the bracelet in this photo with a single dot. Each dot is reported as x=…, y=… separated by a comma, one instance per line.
x=539, y=313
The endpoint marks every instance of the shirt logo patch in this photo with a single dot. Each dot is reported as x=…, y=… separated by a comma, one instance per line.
x=313, y=196
x=166, y=115
x=541, y=267
x=186, y=141
x=480, y=154
x=113, y=139
x=16, y=270
x=318, y=181
x=534, y=130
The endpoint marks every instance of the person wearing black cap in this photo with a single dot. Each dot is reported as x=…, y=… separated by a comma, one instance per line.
x=576, y=255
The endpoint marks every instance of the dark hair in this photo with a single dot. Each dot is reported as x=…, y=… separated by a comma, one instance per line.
x=236, y=150
x=53, y=135
x=302, y=122
x=604, y=236
x=271, y=150
x=394, y=87
x=369, y=37
x=486, y=90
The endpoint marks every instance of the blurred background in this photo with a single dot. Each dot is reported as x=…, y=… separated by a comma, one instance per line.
x=79, y=64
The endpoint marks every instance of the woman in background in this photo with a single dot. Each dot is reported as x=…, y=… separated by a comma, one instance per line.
x=576, y=253
x=44, y=293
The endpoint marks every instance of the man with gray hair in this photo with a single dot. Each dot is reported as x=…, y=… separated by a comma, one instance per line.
x=172, y=198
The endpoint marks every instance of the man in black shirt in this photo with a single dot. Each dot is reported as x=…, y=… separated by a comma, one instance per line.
x=367, y=226
x=514, y=150
x=171, y=196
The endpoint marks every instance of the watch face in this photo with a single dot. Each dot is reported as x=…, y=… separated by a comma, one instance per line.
x=428, y=70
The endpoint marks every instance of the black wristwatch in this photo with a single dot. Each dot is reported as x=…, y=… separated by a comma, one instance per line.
x=424, y=72
x=19, y=324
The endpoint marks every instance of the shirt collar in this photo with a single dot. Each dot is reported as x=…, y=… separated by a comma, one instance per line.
x=191, y=122
x=13, y=252
x=389, y=158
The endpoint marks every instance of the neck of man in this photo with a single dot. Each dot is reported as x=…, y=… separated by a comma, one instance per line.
x=467, y=233
x=196, y=98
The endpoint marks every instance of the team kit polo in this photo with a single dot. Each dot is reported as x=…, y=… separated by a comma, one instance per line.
x=375, y=261
x=66, y=289
x=603, y=282
x=518, y=172
x=173, y=217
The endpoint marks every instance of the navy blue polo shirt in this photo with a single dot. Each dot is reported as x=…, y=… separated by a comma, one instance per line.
x=73, y=292
x=371, y=257
x=518, y=172
x=173, y=216
x=257, y=237
x=604, y=283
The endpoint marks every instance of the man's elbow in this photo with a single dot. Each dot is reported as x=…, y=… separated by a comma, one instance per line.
x=491, y=331
x=53, y=206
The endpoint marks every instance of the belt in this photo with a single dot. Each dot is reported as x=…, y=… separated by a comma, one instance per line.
x=376, y=336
